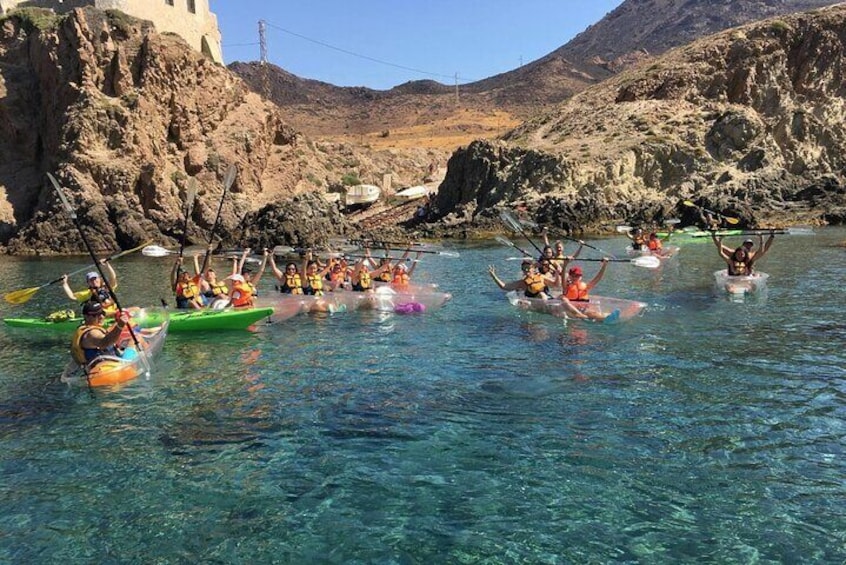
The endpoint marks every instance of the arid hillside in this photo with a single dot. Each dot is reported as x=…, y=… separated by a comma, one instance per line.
x=751, y=121
x=122, y=116
x=431, y=114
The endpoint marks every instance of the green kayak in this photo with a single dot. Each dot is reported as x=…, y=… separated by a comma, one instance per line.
x=180, y=320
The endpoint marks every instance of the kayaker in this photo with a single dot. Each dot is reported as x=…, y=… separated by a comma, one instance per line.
x=96, y=289
x=559, y=258
x=246, y=271
x=529, y=284
x=636, y=235
x=290, y=282
x=654, y=244
x=313, y=280
x=533, y=284
x=217, y=292
x=574, y=286
x=401, y=275
x=186, y=288
x=91, y=340
x=740, y=261
x=241, y=295
x=362, y=276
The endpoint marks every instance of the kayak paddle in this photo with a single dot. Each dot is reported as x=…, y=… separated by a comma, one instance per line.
x=512, y=222
x=231, y=172
x=189, y=205
x=645, y=261
x=729, y=219
x=23, y=295
x=98, y=265
x=505, y=241
x=568, y=238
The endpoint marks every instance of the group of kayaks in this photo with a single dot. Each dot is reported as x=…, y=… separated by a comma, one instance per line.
x=151, y=325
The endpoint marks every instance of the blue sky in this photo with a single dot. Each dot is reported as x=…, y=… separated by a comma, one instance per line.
x=335, y=41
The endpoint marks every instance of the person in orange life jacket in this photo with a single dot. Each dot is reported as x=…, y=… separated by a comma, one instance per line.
x=96, y=290
x=533, y=284
x=740, y=261
x=401, y=274
x=576, y=290
x=91, y=340
x=185, y=287
x=246, y=271
x=338, y=273
x=653, y=243
x=290, y=281
x=313, y=280
x=241, y=294
x=574, y=286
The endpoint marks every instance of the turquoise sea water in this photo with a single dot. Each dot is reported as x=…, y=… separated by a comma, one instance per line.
x=707, y=430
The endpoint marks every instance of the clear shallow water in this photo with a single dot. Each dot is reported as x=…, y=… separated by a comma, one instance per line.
x=707, y=430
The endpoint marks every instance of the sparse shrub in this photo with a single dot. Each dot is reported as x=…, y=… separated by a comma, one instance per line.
x=35, y=19
x=213, y=161
x=779, y=26
x=312, y=178
x=177, y=176
x=350, y=179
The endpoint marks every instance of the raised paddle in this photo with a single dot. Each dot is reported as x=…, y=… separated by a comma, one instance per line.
x=189, y=205
x=231, y=172
x=505, y=241
x=624, y=229
x=645, y=261
x=453, y=254
x=72, y=214
x=23, y=295
x=729, y=219
x=512, y=222
x=568, y=238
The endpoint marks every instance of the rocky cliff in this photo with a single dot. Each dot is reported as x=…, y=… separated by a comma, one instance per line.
x=751, y=121
x=124, y=116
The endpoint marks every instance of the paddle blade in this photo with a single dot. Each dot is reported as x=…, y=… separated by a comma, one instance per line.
x=155, y=251
x=647, y=262
x=672, y=221
x=730, y=220
x=231, y=172
x=624, y=229
x=510, y=221
x=799, y=231
x=20, y=296
x=504, y=241
x=453, y=254
x=689, y=203
x=62, y=197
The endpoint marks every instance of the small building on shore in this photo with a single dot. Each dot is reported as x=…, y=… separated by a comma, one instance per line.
x=190, y=19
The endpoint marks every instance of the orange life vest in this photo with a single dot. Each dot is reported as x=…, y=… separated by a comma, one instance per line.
x=242, y=294
x=577, y=291
x=654, y=244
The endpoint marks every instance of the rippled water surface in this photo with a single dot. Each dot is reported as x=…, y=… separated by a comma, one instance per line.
x=707, y=430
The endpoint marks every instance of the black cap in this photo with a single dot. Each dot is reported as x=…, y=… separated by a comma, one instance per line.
x=92, y=308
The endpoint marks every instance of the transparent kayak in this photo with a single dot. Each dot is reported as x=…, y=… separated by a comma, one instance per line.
x=149, y=327
x=747, y=284
x=610, y=308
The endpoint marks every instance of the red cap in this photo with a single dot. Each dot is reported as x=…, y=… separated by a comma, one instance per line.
x=576, y=271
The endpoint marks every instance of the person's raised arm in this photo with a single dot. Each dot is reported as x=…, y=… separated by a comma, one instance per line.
x=67, y=289
x=174, y=274
x=276, y=272
x=598, y=277
x=243, y=260
x=110, y=272
x=256, y=277
x=578, y=251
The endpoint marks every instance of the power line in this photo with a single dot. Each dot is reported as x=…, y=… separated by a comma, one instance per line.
x=240, y=44
x=359, y=55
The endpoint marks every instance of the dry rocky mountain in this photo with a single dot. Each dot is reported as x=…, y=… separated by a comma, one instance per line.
x=751, y=121
x=428, y=112
x=122, y=115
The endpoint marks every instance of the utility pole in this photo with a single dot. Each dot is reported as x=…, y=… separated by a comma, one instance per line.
x=456, y=91
x=265, y=81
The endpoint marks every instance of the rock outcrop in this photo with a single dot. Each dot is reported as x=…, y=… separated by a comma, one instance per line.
x=124, y=116
x=751, y=121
